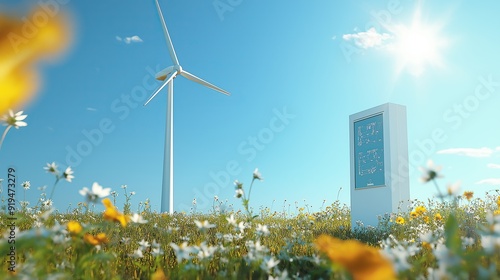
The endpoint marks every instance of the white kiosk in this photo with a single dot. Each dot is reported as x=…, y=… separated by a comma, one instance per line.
x=379, y=163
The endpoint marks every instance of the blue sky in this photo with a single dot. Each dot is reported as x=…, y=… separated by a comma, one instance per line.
x=296, y=71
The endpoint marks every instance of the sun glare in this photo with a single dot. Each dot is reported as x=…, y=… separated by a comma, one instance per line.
x=418, y=46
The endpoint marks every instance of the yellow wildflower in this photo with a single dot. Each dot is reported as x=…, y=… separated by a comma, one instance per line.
x=420, y=210
x=438, y=217
x=74, y=227
x=112, y=214
x=362, y=261
x=22, y=44
x=468, y=195
x=99, y=239
x=497, y=212
x=498, y=201
x=414, y=214
x=400, y=220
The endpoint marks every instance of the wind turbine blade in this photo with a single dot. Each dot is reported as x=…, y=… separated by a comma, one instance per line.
x=167, y=36
x=159, y=89
x=195, y=79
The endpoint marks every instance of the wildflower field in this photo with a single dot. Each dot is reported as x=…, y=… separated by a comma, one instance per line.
x=455, y=237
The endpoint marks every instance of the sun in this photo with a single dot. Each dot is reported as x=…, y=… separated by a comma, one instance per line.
x=418, y=46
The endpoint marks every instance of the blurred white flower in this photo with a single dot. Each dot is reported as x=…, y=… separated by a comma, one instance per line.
x=489, y=243
x=454, y=189
x=205, y=251
x=216, y=198
x=203, y=225
x=239, y=193
x=51, y=168
x=144, y=244
x=47, y=203
x=257, y=175
x=157, y=252
x=231, y=220
x=241, y=227
x=194, y=201
x=125, y=240
x=268, y=264
x=26, y=185
x=137, y=254
x=68, y=174
x=182, y=252
x=15, y=120
x=262, y=230
x=138, y=219
x=97, y=192
x=430, y=172
x=238, y=184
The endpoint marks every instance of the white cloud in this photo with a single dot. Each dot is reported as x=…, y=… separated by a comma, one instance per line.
x=468, y=152
x=91, y=109
x=494, y=166
x=128, y=40
x=368, y=39
x=490, y=181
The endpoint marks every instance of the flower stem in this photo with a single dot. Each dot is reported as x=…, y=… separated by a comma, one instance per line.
x=250, y=189
x=54, y=187
x=4, y=134
x=439, y=192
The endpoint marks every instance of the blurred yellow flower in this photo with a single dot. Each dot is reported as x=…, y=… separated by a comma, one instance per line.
x=468, y=195
x=159, y=275
x=420, y=210
x=99, y=239
x=497, y=212
x=362, y=261
x=414, y=214
x=74, y=227
x=498, y=201
x=438, y=217
x=112, y=214
x=22, y=44
x=400, y=220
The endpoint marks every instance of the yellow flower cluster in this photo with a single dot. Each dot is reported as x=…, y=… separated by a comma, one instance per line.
x=95, y=240
x=112, y=214
x=419, y=211
x=75, y=228
x=22, y=44
x=400, y=220
x=361, y=261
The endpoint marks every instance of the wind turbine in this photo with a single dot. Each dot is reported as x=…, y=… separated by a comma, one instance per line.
x=168, y=75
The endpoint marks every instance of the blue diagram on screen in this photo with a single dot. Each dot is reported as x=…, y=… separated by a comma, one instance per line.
x=369, y=152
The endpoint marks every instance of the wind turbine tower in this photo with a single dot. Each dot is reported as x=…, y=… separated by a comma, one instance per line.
x=168, y=75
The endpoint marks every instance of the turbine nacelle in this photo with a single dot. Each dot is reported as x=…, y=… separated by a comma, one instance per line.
x=163, y=74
